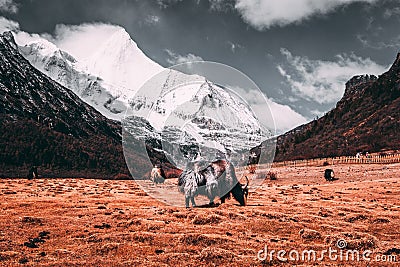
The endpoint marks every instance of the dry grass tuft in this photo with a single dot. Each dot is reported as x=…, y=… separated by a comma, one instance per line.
x=354, y=218
x=309, y=234
x=8, y=255
x=200, y=239
x=354, y=240
x=141, y=231
x=108, y=248
x=202, y=219
x=32, y=220
x=143, y=237
x=216, y=255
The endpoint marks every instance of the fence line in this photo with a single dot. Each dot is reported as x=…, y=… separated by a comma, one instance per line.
x=372, y=159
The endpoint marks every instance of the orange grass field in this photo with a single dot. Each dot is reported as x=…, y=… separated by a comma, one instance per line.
x=84, y=222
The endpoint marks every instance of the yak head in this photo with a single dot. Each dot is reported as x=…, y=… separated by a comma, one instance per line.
x=240, y=192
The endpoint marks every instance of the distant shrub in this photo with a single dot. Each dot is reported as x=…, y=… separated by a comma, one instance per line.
x=272, y=176
x=252, y=169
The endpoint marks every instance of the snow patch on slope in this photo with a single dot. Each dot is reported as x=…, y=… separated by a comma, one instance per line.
x=106, y=81
x=120, y=62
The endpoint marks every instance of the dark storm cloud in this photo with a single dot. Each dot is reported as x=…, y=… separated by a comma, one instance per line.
x=8, y=6
x=167, y=3
x=242, y=34
x=222, y=5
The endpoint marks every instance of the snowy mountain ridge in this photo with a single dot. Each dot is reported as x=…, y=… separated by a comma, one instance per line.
x=198, y=113
x=106, y=81
x=120, y=62
x=189, y=105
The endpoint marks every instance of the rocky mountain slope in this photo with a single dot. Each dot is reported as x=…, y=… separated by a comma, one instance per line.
x=189, y=112
x=46, y=124
x=110, y=79
x=367, y=118
x=107, y=80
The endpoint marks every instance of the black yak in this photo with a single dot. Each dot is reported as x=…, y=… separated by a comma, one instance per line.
x=33, y=173
x=330, y=175
x=218, y=179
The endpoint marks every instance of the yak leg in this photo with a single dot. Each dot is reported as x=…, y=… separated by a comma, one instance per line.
x=224, y=197
x=222, y=200
x=211, y=203
x=211, y=197
x=193, y=203
x=191, y=199
x=187, y=202
x=212, y=191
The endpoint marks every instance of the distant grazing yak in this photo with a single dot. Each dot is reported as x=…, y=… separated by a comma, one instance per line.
x=33, y=173
x=330, y=175
x=157, y=175
x=217, y=179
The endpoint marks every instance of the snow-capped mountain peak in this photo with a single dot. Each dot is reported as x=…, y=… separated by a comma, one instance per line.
x=40, y=49
x=107, y=80
x=174, y=103
x=189, y=107
x=120, y=62
x=64, y=68
x=40, y=46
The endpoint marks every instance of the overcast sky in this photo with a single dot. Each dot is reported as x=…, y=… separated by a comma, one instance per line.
x=299, y=52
